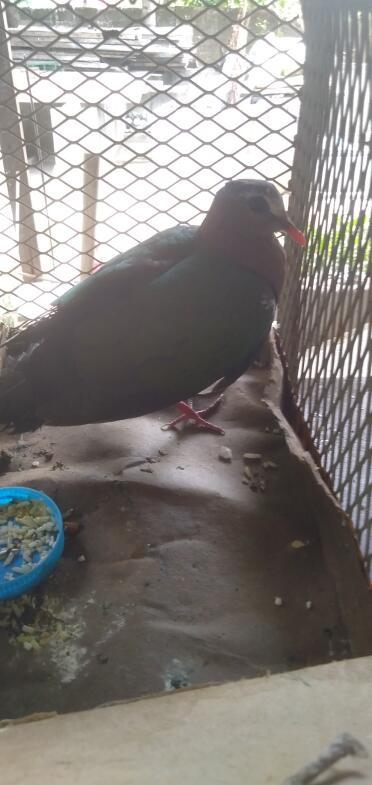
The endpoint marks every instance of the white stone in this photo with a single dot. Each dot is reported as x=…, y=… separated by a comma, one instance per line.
x=225, y=454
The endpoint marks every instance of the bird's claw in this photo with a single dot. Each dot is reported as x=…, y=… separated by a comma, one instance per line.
x=198, y=417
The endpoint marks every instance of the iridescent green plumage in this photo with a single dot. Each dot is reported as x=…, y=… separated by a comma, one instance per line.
x=157, y=325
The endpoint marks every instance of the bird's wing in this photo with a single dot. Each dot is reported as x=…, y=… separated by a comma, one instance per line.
x=115, y=281
x=134, y=268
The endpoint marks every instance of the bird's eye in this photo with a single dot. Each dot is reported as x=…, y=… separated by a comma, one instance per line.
x=258, y=204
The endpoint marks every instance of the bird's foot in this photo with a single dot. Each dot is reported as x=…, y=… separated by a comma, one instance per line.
x=199, y=417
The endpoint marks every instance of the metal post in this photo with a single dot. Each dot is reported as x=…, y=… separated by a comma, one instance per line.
x=90, y=192
x=15, y=162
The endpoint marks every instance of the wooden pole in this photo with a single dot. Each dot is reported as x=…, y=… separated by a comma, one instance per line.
x=90, y=192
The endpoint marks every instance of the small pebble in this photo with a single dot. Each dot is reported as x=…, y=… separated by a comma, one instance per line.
x=297, y=544
x=225, y=454
x=81, y=558
x=35, y=464
x=278, y=601
x=308, y=605
x=252, y=456
x=269, y=465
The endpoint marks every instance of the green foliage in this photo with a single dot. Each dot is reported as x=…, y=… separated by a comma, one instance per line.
x=285, y=9
x=340, y=247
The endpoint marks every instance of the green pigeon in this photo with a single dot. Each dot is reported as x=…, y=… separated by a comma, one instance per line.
x=158, y=324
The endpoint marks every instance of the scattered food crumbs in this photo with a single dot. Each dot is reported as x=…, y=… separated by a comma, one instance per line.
x=278, y=601
x=81, y=558
x=249, y=457
x=58, y=465
x=27, y=628
x=5, y=461
x=32, y=624
x=297, y=544
x=269, y=465
x=134, y=462
x=147, y=470
x=35, y=464
x=72, y=528
x=225, y=454
x=262, y=485
x=248, y=473
x=162, y=452
x=46, y=454
x=277, y=431
x=181, y=467
x=308, y=605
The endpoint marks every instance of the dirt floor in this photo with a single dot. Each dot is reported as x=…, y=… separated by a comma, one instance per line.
x=173, y=579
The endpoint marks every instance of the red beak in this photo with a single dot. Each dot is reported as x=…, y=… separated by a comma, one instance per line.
x=295, y=233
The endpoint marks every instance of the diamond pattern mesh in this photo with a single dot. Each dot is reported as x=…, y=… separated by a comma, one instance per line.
x=326, y=310
x=121, y=119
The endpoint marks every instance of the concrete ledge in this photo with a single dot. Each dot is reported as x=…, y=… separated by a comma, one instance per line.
x=258, y=732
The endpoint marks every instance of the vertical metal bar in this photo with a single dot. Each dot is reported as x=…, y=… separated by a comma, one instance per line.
x=329, y=328
x=90, y=192
x=14, y=155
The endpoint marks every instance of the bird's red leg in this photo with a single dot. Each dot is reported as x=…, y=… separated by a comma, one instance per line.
x=199, y=417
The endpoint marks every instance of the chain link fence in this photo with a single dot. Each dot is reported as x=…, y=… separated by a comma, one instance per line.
x=121, y=119
x=326, y=308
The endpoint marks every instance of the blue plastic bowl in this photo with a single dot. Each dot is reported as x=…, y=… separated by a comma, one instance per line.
x=23, y=583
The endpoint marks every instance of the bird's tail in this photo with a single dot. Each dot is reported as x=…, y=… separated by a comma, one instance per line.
x=17, y=404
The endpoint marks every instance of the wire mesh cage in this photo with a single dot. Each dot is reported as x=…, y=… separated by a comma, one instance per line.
x=122, y=118
x=326, y=309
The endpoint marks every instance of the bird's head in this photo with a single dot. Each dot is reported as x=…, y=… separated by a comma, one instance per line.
x=257, y=209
